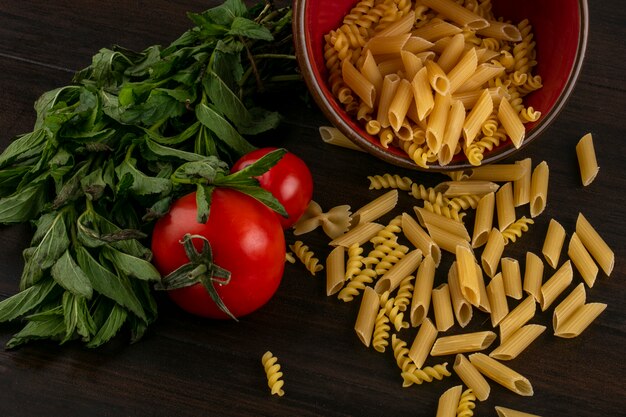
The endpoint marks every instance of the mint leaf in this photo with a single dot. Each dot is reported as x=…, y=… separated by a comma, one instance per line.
x=224, y=130
x=131, y=265
x=115, y=319
x=52, y=328
x=203, y=202
x=22, y=205
x=249, y=29
x=25, y=301
x=70, y=276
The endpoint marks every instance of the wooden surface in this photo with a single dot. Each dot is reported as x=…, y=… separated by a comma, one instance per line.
x=187, y=366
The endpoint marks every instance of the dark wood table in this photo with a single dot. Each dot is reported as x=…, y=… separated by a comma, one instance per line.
x=187, y=366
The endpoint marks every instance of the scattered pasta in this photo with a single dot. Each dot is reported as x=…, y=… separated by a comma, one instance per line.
x=273, y=373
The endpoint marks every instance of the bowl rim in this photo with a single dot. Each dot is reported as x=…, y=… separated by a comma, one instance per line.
x=302, y=45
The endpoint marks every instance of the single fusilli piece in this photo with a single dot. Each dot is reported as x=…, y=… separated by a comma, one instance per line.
x=444, y=211
x=273, y=373
x=463, y=202
x=378, y=182
x=396, y=317
x=515, y=229
x=429, y=194
x=306, y=256
x=467, y=403
x=404, y=294
x=410, y=373
x=389, y=233
x=289, y=258
x=357, y=284
x=392, y=253
x=528, y=114
x=355, y=261
x=381, y=331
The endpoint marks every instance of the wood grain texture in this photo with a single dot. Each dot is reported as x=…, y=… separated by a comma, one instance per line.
x=187, y=366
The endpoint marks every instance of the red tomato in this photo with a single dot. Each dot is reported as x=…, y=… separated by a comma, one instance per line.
x=290, y=181
x=246, y=239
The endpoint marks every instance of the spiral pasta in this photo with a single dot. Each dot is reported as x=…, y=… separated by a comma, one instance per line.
x=357, y=284
x=444, y=211
x=378, y=182
x=306, y=256
x=381, y=331
x=467, y=403
x=411, y=374
x=273, y=373
x=355, y=261
x=429, y=194
x=516, y=229
x=396, y=317
x=392, y=254
x=404, y=294
x=463, y=202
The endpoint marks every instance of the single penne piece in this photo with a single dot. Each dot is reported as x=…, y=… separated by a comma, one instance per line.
x=441, y=44
x=437, y=78
x=370, y=70
x=423, y=343
x=420, y=238
x=383, y=45
x=483, y=220
x=442, y=306
x=389, y=65
x=517, y=342
x=470, y=98
x=490, y=258
x=509, y=412
x=376, y=208
x=449, y=56
x=415, y=45
x=497, y=300
x=533, y=276
x=405, y=267
x=428, y=219
x=568, y=306
x=435, y=30
x=471, y=377
x=539, y=189
x=582, y=260
x=587, y=162
x=485, y=55
x=501, y=30
x=516, y=318
x=437, y=119
x=505, y=206
x=399, y=27
x=366, y=317
x=462, y=308
x=555, y=285
x=510, y=120
x=361, y=86
x=553, y=243
x=497, y=172
x=446, y=240
x=465, y=187
x=387, y=93
x=462, y=343
x=457, y=13
x=594, y=243
x=400, y=105
x=422, y=290
x=463, y=70
x=335, y=270
x=480, y=77
x=449, y=401
x=580, y=320
x=452, y=132
x=476, y=117
x=333, y=136
x=468, y=278
x=422, y=94
x=484, y=305
x=521, y=186
x=501, y=374
x=512, y=278
x=359, y=234
x=412, y=64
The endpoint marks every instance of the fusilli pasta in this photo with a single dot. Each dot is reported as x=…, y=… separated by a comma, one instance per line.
x=273, y=373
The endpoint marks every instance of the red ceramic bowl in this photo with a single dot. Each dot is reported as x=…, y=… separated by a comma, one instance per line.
x=560, y=30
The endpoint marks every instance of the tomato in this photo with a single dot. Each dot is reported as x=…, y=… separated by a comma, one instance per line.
x=246, y=239
x=290, y=181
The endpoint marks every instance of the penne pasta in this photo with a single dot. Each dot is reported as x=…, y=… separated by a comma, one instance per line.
x=423, y=343
x=511, y=122
x=470, y=98
x=463, y=70
x=533, y=276
x=412, y=64
x=568, y=306
x=446, y=240
x=490, y=257
x=369, y=69
x=442, y=306
x=450, y=54
x=512, y=278
x=505, y=206
x=384, y=45
x=359, y=234
x=497, y=172
x=466, y=187
x=587, y=162
x=416, y=45
x=482, y=289
x=594, y=243
x=437, y=78
x=449, y=401
x=422, y=94
x=428, y=219
x=480, y=77
x=462, y=343
x=436, y=29
x=452, y=132
x=457, y=13
x=572, y=316
x=554, y=286
x=501, y=30
x=387, y=93
x=422, y=291
x=509, y=412
x=419, y=238
x=497, y=300
x=483, y=220
x=553, y=243
x=519, y=316
x=376, y=208
x=335, y=270
x=405, y=267
x=333, y=136
x=517, y=342
x=539, y=189
x=389, y=65
x=471, y=377
x=399, y=27
x=521, y=186
x=366, y=316
x=468, y=278
x=462, y=308
x=437, y=119
x=582, y=260
x=360, y=85
x=501, y=374
x=400, y=105
x=476, y=117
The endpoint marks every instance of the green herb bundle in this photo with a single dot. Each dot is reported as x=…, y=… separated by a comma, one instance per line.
x=108, y=154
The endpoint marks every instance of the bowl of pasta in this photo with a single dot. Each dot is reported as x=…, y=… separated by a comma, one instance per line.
x=440, y=84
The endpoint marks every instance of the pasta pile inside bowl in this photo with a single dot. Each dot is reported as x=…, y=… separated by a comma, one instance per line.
x=440, y=84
